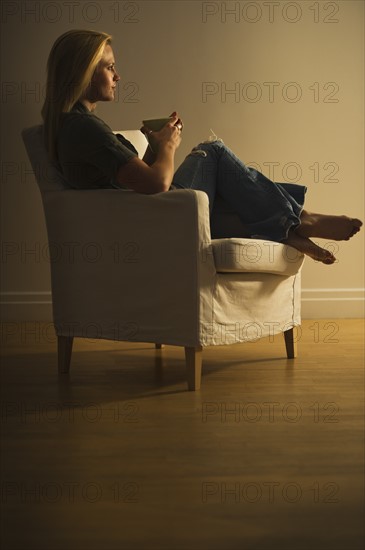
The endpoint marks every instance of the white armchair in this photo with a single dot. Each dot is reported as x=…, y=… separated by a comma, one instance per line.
x=133, y=267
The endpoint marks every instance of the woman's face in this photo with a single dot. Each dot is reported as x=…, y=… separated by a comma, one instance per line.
x=105, y=78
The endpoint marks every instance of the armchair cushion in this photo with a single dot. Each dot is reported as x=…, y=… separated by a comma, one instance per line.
x=254, y=255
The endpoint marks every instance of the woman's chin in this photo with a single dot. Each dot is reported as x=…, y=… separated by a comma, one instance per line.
x=110, y=97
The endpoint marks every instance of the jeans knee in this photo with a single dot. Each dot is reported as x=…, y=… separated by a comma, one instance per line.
x=198, y=151
x=206, y=147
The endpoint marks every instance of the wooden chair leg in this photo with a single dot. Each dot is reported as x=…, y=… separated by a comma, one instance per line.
x=193, y=357
x=290, y=344
x=64, y=353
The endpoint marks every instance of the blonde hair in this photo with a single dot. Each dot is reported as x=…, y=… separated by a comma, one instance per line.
x=71, y=64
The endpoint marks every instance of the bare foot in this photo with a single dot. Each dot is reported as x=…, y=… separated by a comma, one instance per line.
x=308, y=247
x=337, y=228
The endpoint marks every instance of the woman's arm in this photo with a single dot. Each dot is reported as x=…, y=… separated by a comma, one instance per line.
x=136, y=174
x=149, y=156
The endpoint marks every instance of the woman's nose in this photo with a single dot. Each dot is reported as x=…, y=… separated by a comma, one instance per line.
x=116, y=77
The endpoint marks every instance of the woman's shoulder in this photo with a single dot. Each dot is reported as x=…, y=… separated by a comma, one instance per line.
x=81, y=121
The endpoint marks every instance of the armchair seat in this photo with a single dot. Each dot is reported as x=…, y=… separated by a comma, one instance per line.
x=234, y=255
x=144, y=268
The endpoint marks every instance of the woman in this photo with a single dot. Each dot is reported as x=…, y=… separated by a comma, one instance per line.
x=81, y=72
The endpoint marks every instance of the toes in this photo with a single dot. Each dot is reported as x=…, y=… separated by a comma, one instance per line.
x=328, y=258
x=355, y=230
x=324, y=256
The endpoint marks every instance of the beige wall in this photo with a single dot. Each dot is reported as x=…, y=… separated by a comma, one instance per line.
x=280, y=82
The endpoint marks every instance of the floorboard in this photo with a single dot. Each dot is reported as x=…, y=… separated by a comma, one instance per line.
x=268, y=455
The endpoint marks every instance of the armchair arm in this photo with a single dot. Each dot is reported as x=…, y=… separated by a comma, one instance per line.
x=129, y=266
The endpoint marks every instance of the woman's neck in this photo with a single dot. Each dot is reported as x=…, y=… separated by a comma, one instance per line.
x=91, y=106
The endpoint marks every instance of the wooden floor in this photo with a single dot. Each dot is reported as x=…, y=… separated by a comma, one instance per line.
x=119, y=455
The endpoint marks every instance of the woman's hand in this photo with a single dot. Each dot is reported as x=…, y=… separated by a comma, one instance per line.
x=168, y=136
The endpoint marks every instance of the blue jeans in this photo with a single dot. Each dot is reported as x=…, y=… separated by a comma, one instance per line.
x=267, y=209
